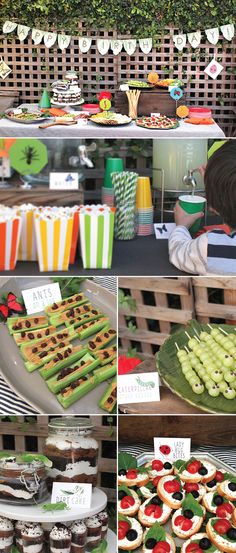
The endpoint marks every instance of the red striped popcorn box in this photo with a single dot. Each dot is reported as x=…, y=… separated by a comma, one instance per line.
x=10, y=230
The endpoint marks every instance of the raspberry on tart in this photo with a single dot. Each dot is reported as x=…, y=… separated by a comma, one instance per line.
x=153, y=510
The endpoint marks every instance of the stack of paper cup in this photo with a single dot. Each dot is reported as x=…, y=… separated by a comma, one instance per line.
x=113, y=164
x=53, y=228
x=96, y=236
x=144, y=207
x=27, y=245
x=108, y=196
x=10, y=230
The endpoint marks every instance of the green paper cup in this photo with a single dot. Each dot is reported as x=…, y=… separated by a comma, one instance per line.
x=193, y=204
x=113, y=165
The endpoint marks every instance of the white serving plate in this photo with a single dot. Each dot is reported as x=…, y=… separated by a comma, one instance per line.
x=30, y=386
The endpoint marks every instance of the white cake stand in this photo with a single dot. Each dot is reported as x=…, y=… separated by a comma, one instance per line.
x=35, y=513
x=69, y=105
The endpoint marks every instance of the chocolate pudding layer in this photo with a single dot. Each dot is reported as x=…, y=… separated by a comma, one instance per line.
x=60, y=539
x=6, y=534
x=94, y=529
x=73, y=460
x=79, y=537
x=22, y=483
x=32, y=538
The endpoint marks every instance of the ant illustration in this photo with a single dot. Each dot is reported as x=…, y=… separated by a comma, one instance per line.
x=29, y=155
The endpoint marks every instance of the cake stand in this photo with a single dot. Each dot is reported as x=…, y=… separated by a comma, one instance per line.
x=69, y=105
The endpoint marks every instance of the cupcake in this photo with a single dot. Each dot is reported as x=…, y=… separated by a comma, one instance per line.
x=19, y=526
x=78, y=537
x=6, y=534
x=94, y=529
x=103, y=517
x=60, y=539
x=32, y=538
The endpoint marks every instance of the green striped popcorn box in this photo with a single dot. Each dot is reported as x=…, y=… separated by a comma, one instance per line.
x=96, y=236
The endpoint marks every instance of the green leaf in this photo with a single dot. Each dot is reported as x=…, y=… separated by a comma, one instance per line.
x=101, y=548
x=30, y=457
x=122, y=517
x=181, y=465
x=190, y=503
x=157, y=532
x=14, y=549
x=126, y=461
x=125, y=489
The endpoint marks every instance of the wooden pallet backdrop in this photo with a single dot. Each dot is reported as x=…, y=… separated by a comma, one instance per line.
x=35, y=67
x=23, y=436
x=192, y=298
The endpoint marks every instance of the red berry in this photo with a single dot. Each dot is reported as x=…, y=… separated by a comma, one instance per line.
x=149, y=510
x=172, y=486
x=224, y=510
x=127, y=502
x=191, y=486
x=179, y=520
x=219, y=476
x=124, y=525
x=158, y=512
x=186, y=525
x=131, y=474
x=156, y=480
x=165, y=449
x=193, y=548
x=157, y=465
x=121, y=533
x=222, y=526
x=192, y=467
x=161, y=547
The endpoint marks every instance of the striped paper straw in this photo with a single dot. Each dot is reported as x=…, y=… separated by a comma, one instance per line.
x=10, y=230
x=125, y=184
x=53, y=238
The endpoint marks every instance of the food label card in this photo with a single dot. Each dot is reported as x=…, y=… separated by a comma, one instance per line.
x=36, y=299
x=163, y=230
x=64, y=181
x=74, y=495
x=136, y=388
x=171, y=449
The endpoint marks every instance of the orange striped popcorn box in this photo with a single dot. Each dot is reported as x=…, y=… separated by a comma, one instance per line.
x=27, y=246
x=53, y=238
x=75, y=210
x=10, y=229
x=96, y=236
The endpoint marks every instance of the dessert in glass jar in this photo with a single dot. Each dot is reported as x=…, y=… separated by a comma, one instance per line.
x=73, y=451
x=22, y=482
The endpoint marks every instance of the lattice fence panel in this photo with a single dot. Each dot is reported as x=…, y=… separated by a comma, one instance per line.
x=210, y=308
x=34, y=67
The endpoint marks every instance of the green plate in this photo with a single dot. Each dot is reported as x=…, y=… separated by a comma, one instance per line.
x=171, y=374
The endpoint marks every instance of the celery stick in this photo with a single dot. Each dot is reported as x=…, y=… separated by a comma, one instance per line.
x=49, y=370
x=85, y=333
x=56, y=385
x=66, y=303
x=106, y=372
x=76, y=394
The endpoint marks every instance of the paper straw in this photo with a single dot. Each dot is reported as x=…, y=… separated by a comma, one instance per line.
x=125, y=184
x=10, y=230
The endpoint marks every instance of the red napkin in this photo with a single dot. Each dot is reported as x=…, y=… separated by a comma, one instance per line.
x=126, y=364
x=226, y=228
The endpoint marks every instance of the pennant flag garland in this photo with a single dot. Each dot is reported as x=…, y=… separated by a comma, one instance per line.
x=130, y=46
x=37, y=36
x=227, y=31
x=63, y=41
x=212, y=35
x=103, y=45
x=9, y=26
x=116, y=46
x=84, y=44
x=22, y=32
x=145, y=44
x=49, y=39
x=194, y=39
x=180, y=41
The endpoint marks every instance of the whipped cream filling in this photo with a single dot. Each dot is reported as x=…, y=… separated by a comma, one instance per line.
x=22, y=494
x=36, y=548
x=6, y=542
x=225, y=488
x=135, y=525
x=74, y=469
x=81, y=442
x=6, y=525
x=55, y=550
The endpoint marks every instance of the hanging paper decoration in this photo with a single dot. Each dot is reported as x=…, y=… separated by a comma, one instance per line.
x=194, y=39
x=145, y=44
x=213, y=69
x=49, y=39
x=116, y=46
x=28, y=156
x=176, y=93
x=22, y=32
x=9, y=26
x=37, y=36
x=103, y=45
x=212, y=35
x=179, y=41
x=130, y=46
x=63, y=41
x=5, y=145
x=84, y=44
x=5, y=70
x=227, y=31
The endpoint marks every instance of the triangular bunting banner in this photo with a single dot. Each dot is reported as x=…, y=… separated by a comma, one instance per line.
x=49, y=39
x=103, y=45
x=84, y=44
x=116, y=46
x=37, y=36
x=9, y=26
x=145, y=45
x=227, y=31
x=212, y=35
x=194, y=39
x=130, y=46
x=179, y=41
x=22, y=32
x=63, y=41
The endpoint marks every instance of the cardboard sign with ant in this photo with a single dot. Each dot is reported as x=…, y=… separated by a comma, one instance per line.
x=163, y=230
x=171, y=449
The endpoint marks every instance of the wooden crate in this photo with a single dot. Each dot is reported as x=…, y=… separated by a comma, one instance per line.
x=150, y=101
x=162, y=290
x=34, y=67
x=206, y=310
x=20, y=432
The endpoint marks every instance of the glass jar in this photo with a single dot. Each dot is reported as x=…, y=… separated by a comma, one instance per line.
x=22, y=483
x=73, y=451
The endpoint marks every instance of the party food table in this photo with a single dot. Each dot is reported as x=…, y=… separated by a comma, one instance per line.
x=92, y=130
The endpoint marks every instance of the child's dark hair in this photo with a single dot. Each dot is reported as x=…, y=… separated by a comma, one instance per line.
x=220, y=182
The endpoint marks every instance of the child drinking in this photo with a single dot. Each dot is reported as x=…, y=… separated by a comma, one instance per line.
x=213, y=252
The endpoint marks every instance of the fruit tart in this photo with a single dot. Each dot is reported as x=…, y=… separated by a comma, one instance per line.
x=219, y=477
x=170, y=490
x=130, y=533
x=197, y=490
x=194, y=470
x=218, y=505
x=133, y=477
x=188, y=520
x=128, y=501
x=222, y=534
x=198, y=543
x=157, y=540
x=157, y=468
x=154, y=510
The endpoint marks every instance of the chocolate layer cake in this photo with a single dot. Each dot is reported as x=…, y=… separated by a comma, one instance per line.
x=6, y=535
x=94, y=529
x=103, y=517
x=73, y=461
x=19, y=526
x=60, y=539
x=32, y=538
x=79, y=537
x=22, y=482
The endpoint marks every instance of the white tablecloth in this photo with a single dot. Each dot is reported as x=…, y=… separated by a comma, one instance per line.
x=91, y=130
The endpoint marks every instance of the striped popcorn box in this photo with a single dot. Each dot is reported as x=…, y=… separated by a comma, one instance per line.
x=27, y=246
x=75, y=233
x=53, y=238
x=96, y=236
x=10, y=229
